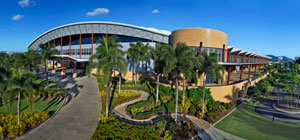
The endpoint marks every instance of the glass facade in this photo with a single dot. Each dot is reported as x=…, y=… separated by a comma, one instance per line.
x=87, y=39
x=211, y=50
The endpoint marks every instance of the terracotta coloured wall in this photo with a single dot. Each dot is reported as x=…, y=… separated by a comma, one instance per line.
x=193, y=37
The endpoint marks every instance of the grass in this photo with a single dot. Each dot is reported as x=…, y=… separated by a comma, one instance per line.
x=49, y=106
x=246, y=123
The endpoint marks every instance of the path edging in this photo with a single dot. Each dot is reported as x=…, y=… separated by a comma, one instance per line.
x=274, y=106
x=227, y=114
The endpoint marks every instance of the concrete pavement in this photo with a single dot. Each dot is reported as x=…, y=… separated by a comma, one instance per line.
x=78, y=118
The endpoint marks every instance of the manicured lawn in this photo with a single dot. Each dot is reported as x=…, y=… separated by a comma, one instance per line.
x=48, y=105
x=245, y=123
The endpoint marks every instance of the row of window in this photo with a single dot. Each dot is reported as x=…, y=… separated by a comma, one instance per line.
x=87, y=39
x=84, y=51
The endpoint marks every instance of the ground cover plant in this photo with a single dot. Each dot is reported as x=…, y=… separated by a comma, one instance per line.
x=166, y=104
x=9, y=128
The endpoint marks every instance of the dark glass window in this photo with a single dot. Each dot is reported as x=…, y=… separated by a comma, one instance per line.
x=87, y=39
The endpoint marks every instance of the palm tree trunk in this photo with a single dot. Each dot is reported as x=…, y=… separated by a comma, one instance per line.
x=107, y=99
x=203, y=95
x=183, y=90
x=19, y=104
x=176, y=99
x=120, y=80
x=298, y=98
x=157, y=88
x=46, y=68
x=146, y=66
x=135, y=73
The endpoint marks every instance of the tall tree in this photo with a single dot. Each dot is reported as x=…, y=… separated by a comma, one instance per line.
x=107, y=58
x=145, y=54
x=209, y=66
x=20, y=84
x=134, y=54
x=157, y=54
x=46, y=53
x=180, y=60
x=32, y=60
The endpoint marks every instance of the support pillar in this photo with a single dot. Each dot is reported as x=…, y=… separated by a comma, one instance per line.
x=223, y=57
x=70, y=45
x=228, y=78
x=228, y=57
x=92, y=44
x=241, y=71
x=106, y=37
x=80, y=46
x=61, y=45
x=249, y=70
x=254, y=69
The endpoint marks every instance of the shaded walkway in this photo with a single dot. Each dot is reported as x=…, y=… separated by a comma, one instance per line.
x=78, y=118
x=204, y=129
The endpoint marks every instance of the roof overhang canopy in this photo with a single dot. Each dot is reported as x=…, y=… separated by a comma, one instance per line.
x=101, y=27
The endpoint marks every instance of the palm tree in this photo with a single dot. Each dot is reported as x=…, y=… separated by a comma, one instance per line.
x=159, y=64
x=108, y=57
x=209, y=66
x=180, y=60
x=145, y=54
x=5, y=65
x=32, y=61
x=46, y=53
x=134, y=54
x=19, y=85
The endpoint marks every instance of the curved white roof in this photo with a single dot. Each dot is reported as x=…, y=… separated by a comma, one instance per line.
x=240, y=51
x=156, y=35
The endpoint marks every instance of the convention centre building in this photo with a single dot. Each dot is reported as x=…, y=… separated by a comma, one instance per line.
x=76, y=42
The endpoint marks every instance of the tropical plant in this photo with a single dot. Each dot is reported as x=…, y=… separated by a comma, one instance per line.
x=157, y=55
x=181, y=60
x=134, y=55
x=107, y=58
x=32, y=60
x=19, y=85
x=46, y=53
x=209, y=66
x=145, y=55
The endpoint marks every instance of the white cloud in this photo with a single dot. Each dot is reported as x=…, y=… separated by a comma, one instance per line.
x=17, y=17
x=24, y=3
x=98, y=11
x=155, y=11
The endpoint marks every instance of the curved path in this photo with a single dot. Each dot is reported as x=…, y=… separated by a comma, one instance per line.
x=78, y=118
x=265, y=109
x=204, y=129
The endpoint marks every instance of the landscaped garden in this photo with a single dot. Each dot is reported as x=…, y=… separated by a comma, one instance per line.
x=162, y=100
x=26, y=100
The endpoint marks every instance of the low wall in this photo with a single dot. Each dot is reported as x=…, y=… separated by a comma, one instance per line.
x=222, y=93
x=228, y=93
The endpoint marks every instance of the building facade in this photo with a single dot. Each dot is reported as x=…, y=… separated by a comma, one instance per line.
x=77, y=42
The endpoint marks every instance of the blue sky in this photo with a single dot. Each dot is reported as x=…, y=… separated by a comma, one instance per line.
x=264, y=26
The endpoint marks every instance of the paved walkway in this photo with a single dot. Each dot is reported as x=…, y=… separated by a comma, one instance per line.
x=78, y=118
x=204, y=129
x=265, y=109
